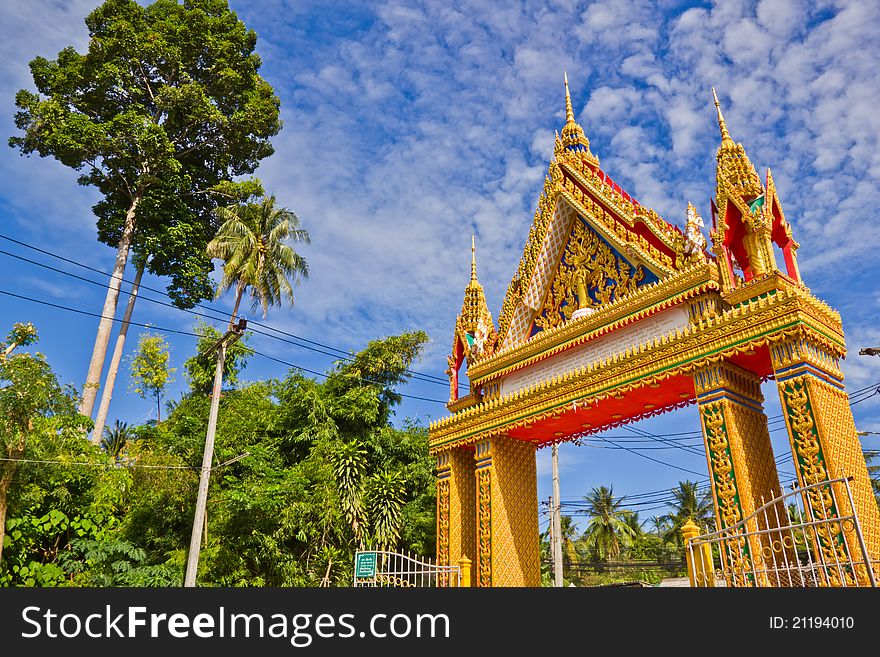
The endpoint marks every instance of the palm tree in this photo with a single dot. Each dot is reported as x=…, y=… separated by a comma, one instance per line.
x=116, y=438
x=688, y=504
x=251, y=242
x=659, y=525
x=568, y=531
x=608, y=528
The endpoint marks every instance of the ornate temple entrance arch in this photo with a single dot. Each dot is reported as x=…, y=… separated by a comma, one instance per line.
x=615, y=315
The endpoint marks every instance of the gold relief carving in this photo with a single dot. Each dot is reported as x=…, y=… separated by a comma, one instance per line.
x=727, y=503
x=515, y=543
x=812, y=470
x=687, y=285
x=484, y=527
x=443, y=522
x=589, y=262
x=462, y=506
x=754, y=324
x=649, y=299
x=729, y=512
x=842, y=450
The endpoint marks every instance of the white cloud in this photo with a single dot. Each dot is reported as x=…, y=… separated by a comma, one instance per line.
x=420, y=123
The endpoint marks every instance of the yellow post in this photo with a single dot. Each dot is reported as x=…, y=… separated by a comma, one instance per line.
x=708, y=565
x=699, y=561
x=464, y=565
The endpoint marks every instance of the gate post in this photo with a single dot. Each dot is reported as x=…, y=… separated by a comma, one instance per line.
x=701, y=570
x=456, y=505
x=508, y=543
x=825, y=445
x=464, y=566
x=740, y=457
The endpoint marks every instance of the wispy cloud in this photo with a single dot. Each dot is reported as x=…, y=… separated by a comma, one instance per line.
x=411, y=125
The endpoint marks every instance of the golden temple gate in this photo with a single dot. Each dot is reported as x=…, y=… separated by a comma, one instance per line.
x=616, y=315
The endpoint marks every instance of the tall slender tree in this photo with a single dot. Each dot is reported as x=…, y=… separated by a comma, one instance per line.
x=150, y=372
x=252, y=242
x=161, y=113
x=688, y=504
x=608, y=528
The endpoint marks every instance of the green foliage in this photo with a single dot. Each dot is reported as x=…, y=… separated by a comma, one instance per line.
x=608, y=529
x=150, y=369
x=252, y=242
x=688, y=504
x=162, y=112
x=295, y=462
x=116, y=439
x=21, y=335
x=199, y=370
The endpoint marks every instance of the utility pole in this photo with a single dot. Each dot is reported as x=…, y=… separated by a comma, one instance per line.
x=556, y=521
x=192, y=560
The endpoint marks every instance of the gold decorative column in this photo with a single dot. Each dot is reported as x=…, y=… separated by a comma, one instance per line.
x=443, y=511
x=825, y=445
x=741, y=463
x=508, y=545
x=456, y=506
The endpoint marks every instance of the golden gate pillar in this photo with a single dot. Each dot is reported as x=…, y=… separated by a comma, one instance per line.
x=508, y=544
x=738, y=450
x=456, y=506
x=825, y=445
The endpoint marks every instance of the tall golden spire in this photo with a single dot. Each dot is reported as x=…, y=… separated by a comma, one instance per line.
x=569, y=112
x=473, y=258
x=573, y=137
x=734, y=166
x=475, y=319
x=725, y=135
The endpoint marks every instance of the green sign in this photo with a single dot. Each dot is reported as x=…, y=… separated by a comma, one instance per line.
x=365, y=565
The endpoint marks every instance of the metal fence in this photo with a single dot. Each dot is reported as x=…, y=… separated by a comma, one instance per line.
x=394, y=569
x=810, y=537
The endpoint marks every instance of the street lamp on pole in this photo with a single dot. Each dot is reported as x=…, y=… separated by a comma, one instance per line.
x=220, y=347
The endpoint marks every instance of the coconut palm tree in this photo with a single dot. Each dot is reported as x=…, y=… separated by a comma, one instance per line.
x=116, y=438
x=688, y=504
x=608, y=529
x=252, y=243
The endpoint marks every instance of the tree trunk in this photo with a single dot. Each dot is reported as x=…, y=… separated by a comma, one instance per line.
x=239, y=291
x=104, y=408
x=99, y=352
x=158, y=408
x=7, y=471
x=5, y=479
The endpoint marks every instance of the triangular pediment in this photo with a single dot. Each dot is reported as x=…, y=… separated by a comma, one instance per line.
x=590, y=273
x=574, y=241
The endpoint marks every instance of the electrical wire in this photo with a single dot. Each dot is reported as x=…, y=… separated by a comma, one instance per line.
x=333, y=351
x=160, y=329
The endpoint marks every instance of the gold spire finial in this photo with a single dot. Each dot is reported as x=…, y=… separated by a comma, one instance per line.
x=733, y=163
x=473, y=258
x=573, y=137
x=569, y=112
x=725, y=135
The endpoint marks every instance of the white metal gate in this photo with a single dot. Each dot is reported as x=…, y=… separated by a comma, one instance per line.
x=810, y=537
x=380, y=568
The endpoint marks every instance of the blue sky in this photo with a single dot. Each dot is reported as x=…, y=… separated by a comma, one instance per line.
x=408, y=126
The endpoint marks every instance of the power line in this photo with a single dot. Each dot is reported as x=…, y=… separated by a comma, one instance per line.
x=160, y=329
x=105, y=465
x=334, y=352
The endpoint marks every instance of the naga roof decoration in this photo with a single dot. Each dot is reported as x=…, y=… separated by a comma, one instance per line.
x=575, y=186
